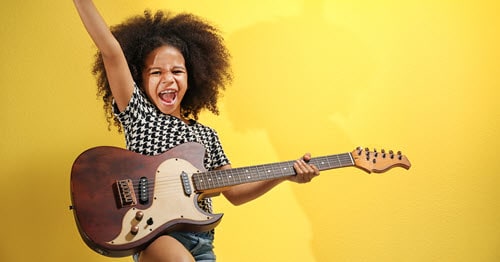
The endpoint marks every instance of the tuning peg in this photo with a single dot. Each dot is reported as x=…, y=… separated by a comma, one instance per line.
x=400, y=155
x=359, y=149
x=391, y=153
x=375, y=153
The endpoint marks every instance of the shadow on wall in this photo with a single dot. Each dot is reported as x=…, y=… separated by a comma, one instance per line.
x=292, y=77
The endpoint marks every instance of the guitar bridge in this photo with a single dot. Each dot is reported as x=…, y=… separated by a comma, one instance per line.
x=126, y=194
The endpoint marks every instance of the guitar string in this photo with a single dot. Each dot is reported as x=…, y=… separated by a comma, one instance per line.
x=168, y=182
x=261, y=170
x=221, y=178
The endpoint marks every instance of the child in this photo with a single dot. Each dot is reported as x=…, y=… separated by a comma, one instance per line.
x=155, y=74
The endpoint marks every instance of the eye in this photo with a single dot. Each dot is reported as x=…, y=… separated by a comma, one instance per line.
x=178, y=70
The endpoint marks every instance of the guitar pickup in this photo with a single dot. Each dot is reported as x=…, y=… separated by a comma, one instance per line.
x=126, y=194
x=143, y=190
x=185, y=184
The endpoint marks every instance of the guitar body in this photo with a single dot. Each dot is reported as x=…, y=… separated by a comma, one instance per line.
x=117, y=218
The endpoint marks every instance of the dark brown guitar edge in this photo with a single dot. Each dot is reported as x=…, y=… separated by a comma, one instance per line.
x=176, y=225
x=192, y=152
x=179, y=225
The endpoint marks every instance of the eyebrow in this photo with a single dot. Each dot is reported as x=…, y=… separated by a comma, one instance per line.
x=180, y=67
x=159, y=67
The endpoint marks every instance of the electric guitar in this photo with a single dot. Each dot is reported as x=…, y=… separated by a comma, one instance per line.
x=122, y=200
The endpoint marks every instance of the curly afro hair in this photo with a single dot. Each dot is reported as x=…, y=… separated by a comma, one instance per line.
x=201, y=44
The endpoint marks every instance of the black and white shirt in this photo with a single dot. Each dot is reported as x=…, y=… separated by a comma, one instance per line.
x=150, y=132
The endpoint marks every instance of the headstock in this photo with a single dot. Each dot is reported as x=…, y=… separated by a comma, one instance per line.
x=379, y=162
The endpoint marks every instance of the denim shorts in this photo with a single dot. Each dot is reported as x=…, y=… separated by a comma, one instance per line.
x=199, y=244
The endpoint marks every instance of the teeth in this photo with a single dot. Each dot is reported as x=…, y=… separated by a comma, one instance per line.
x=167, y=92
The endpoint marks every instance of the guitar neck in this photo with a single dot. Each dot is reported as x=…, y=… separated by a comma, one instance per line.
x=213, y=181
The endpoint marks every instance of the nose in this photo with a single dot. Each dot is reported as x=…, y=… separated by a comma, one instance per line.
x=167, y=78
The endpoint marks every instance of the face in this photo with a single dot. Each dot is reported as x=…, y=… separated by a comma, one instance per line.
x=165, y=79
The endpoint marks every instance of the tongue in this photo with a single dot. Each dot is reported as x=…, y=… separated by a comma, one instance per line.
x=168, y=97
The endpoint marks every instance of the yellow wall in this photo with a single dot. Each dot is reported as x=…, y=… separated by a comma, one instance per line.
x=326, y=76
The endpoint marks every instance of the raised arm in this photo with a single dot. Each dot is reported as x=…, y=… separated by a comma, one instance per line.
x=117, y=71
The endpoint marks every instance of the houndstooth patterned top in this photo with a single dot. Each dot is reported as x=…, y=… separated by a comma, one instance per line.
x=150, y=132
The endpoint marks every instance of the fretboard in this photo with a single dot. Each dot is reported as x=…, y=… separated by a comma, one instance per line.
x=224, y=178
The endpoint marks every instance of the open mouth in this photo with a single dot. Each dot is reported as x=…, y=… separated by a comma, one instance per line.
x=168, y=96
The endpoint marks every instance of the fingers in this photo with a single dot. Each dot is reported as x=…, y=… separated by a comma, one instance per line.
x=307, y=157
x=305, y=172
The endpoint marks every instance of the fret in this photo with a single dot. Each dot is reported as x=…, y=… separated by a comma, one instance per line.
x=225, y=179
x=234, y=177
x=209, y=180
x=217, y=179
